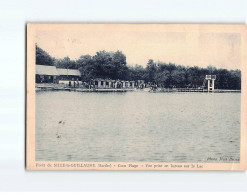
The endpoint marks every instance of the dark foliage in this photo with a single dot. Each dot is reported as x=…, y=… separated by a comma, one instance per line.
x=171, y=75
x=113, y=65
x=42, y=57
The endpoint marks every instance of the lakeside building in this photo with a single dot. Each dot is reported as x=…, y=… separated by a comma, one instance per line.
x=51, y=74
x=109, y=83
x=66, y=75
x=46, y=74
x=140, y=83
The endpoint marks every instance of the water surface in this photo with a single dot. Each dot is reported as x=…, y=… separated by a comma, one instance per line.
x=137, y=126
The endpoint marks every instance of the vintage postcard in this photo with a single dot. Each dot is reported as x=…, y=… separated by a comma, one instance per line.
x=136, y=97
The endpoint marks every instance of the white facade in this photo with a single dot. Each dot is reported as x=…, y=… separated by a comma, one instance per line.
x=107, y=83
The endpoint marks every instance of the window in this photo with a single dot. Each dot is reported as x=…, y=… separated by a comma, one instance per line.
x=107, y=83
x=102, y=82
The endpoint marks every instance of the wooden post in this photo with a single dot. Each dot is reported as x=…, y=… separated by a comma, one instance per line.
x=213, y=85
x=208, y=85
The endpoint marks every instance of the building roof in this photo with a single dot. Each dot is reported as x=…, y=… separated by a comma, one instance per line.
x=70, y=72
x=46, y=70
x=53, y=71
x=100, y=79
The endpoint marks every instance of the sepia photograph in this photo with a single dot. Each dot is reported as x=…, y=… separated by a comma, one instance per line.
x=136, y=97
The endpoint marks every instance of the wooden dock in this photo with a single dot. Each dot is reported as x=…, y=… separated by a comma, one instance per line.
x=103, y=90
x=198, y=90
x=80, y=89
x=55, y=87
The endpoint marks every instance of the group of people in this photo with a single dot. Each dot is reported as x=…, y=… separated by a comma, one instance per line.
x=74, y=83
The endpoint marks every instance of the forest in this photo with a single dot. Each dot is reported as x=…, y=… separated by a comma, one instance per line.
x=113, y=65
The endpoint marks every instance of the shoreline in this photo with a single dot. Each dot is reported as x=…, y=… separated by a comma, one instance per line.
x=113, y=90
x=81, y=89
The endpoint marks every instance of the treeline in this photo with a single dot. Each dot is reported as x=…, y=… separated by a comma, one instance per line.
x=170, y=75
x=113, y=65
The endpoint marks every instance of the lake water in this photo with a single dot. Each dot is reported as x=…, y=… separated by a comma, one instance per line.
x=137, y=126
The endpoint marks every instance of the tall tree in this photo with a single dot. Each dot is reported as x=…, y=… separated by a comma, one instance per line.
x=104, y=64
x=85, y=65
x=151, y=70
x=136, y=72
x=65, y=63
x=42, y=57
x=120, y=69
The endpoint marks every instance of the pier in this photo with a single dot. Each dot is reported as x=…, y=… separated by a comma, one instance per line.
x=57, y=87
x=199, y=90
x=158, y=90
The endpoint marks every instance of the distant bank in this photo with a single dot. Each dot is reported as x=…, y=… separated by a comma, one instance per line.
x=57, y=87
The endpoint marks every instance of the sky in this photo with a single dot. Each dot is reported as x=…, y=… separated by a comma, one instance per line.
x=143, y=42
